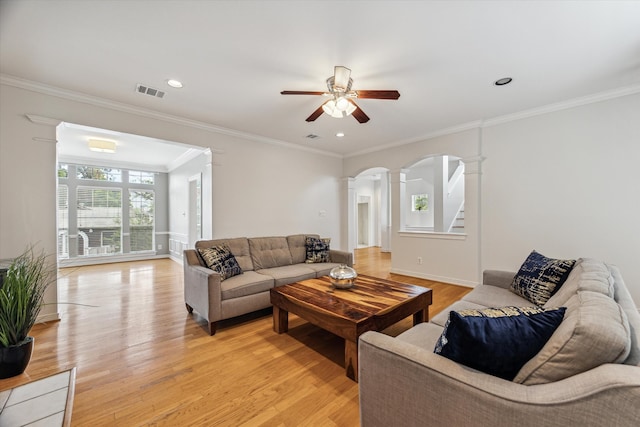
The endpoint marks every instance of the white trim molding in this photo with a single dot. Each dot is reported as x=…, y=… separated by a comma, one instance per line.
x=130, y=109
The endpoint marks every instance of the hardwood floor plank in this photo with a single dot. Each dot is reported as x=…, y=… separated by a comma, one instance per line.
x=144, y=361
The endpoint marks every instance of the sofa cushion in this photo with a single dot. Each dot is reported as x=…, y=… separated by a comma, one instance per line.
x=540, y=277
x=289, y=273
x=269, y=252
x=298, y=247
x=442, y=318
x=423, y=335
x=322, y=268
x=595, y=331
x=239, y=247
x=587, y=275
x=493, y=296
x=221, y=260
x=317, y=249
x=245, y=284
x=497, y=341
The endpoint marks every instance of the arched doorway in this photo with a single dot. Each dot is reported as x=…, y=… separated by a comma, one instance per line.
x=371, y=209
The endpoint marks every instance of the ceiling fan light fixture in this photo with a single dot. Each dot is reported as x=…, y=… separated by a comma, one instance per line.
x=331, y=108
x=102, y=146
x=342, y=103
x=342, y=78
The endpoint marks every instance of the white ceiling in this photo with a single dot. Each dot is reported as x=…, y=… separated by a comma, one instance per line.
x=132, y=151
x=234, y=58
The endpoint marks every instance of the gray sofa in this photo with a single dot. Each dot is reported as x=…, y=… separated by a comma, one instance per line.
x=587, y=373
x=265, y=261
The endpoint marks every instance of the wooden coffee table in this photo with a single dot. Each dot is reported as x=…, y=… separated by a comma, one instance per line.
x=372, y=304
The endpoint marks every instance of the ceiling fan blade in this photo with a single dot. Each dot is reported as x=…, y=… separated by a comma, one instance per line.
x=300, y=92
x=358, y=114
x=341, y=77
x=378, y=94
x=315, y=114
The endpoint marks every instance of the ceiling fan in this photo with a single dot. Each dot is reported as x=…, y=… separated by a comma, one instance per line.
x=341, y=102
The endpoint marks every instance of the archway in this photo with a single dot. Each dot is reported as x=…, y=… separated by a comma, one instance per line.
x=371, y=209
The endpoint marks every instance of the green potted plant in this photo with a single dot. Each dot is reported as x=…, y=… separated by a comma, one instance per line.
x=22, y=289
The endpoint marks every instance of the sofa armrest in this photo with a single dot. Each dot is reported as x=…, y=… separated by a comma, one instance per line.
x=202, y=290
x=402, y=384
x=342, y=257
x=499, y=278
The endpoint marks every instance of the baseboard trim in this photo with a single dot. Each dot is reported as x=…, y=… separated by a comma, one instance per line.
x=449, y=280
x=81, y=262
x=50, y=317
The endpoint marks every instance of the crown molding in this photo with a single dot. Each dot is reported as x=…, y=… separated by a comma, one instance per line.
x=40, y=120
x=564, y=105
x=447, y=131
x=478, y=124
x=130, y=109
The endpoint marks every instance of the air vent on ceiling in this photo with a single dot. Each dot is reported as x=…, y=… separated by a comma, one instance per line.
x=312, y=136
x=149, y=91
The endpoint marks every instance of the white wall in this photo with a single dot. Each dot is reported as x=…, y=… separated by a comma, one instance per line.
x=179, y=180
x=566, y=184
x=445, y=258
x=28, y=182
x=259, y=189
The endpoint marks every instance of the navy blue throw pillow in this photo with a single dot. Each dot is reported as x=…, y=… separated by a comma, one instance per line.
x=317, y=250
x=498, y=341
x=540, y=277
x=221, y=260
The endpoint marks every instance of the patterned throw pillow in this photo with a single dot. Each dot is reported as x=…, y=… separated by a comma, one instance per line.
x=497, y=341
x=221, y=260
x=317, y=250
x=540, y=277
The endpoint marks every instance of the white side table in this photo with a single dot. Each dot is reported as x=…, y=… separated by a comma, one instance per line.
x=45, y=402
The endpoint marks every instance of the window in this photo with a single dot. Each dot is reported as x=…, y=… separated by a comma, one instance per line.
x=99, y=174
x=99, y=212
x=139, y=177
x=63, y=171
x=106, y=212
x=419, y=202
x=141, y=220
x=63, y=220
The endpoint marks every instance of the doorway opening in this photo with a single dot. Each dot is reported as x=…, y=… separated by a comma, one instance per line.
x=116, y=203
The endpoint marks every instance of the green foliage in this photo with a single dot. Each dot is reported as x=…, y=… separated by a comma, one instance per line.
x=421, y=202
x=21, y=295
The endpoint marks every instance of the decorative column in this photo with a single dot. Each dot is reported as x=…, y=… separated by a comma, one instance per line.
x=349, y=230
x=385, y=213
x=46, y=223
x=397, y=199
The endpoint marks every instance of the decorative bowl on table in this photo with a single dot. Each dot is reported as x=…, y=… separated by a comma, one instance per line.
x=343, y=276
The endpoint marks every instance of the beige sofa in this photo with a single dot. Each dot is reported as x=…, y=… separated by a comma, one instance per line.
x=403, y=383
x=265, y=262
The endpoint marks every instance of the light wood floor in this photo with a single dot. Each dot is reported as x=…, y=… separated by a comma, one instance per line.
x=143, y=361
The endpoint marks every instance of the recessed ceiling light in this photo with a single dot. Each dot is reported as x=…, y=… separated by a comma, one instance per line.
x=340, y=134
x=174, y=83
x=503, y=81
